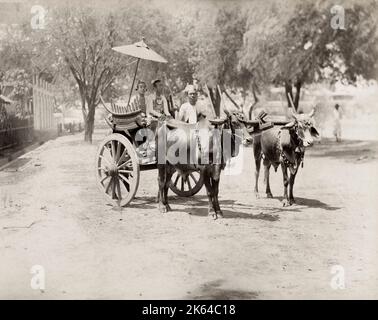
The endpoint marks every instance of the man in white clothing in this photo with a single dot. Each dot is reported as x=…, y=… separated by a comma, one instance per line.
x=189, y=110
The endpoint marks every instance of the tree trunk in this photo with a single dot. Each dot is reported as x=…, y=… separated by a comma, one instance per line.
x=289, y=92
x=255, y=89
x=89, y=124
x=298, y=86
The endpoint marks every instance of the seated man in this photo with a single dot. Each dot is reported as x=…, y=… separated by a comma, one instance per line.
x=189, y=110
x=192, y=110
x=157, y=102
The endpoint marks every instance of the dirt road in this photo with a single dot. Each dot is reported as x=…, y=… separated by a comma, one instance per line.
x=52, y=214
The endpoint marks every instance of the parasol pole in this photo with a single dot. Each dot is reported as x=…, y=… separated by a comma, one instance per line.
x=132, y=86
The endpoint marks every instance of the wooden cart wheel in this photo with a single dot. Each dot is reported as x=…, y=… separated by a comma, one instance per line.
x=186, y=184
x=117, y=169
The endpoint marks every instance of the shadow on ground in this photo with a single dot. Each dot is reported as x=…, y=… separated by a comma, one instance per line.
x=198, y=206
x=312, y=203
x=213, y=291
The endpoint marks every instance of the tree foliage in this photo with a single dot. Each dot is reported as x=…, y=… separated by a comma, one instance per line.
x=250, y=45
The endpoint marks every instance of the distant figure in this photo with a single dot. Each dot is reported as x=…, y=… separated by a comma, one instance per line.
x=337, y=122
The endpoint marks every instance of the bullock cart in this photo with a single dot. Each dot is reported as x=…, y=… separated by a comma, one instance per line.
x=120, y=157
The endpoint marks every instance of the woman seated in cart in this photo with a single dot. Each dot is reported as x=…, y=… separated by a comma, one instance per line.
x=154, y=102
x=140, y=98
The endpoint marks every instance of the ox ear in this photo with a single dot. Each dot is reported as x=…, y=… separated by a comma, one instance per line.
x=227, y=112
x=314, y=132
x=218, y=121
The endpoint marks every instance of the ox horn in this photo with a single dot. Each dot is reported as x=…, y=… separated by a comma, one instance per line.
x=292, y=109
x=293, y=113
x=312, y=113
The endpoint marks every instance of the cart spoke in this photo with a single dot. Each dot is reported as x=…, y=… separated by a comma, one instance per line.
x=119, y=189
x=124, y=178
x=128, y=163
x=118, y=152
x=177, y=178
x=124, y=153
x=193, y=177
x=108, y=186
x=103, y=179
x=125, y=171
x=182, y=184
x=108, y=147
x=114, y=189
x=189, y=185
x=112, y=143
x=126, y=182
x=106, y=160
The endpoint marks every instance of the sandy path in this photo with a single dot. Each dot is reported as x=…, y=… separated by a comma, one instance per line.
x=53, y=215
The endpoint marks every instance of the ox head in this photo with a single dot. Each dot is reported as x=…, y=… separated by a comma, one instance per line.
x=239, y=132
x=304, y=127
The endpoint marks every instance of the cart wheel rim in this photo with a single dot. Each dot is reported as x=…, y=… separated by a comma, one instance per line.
x=117, y=169
x=187, y=184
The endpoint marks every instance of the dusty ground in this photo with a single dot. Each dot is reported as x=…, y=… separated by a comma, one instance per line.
x=53, y=215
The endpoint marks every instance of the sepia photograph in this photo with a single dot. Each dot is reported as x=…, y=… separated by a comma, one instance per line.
x=214, y=150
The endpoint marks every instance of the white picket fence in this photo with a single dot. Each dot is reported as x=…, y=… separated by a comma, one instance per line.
x=43, y=105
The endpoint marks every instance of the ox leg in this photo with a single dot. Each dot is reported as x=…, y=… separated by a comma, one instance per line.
x=266, y=180
x=285, y=201
x=291, y=187
x=218, y=211
x=163, y=199
x=169, y=172
x=257, y=156
x=210, y=195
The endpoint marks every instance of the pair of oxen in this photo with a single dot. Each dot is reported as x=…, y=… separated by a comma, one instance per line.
x=209, y=144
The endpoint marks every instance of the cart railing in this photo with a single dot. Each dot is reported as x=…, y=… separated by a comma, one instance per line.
x=121, y=109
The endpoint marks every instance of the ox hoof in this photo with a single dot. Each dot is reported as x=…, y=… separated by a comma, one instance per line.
x=212, y=215
x=286, y=203
x=164, y=209
x=257, y=196
x=269, y=195
x=219, y=214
